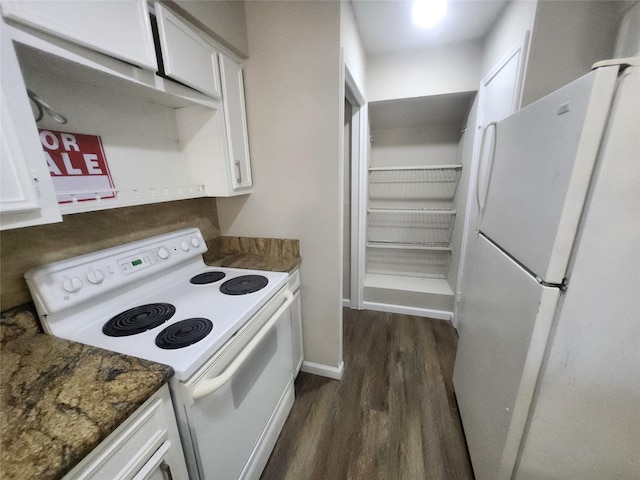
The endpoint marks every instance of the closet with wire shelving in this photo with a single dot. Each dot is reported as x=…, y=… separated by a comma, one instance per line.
x=412, y=183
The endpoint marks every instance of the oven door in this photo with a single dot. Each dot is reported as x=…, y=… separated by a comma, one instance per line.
x=241, y=398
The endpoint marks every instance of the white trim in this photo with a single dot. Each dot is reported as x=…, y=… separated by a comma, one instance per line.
x=418, y=312
x=360, y=175
x=353, y=92
x=346, y=302
x=323, y=370
x=359, y=163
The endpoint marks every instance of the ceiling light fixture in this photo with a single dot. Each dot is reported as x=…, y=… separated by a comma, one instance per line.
x=429, y=13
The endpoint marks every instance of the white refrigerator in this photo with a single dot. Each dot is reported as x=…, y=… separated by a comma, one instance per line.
x=547, y=373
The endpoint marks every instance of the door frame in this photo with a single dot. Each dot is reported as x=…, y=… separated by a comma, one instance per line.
x=359, y=162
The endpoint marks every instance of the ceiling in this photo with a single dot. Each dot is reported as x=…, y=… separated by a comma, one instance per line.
x=385, y=25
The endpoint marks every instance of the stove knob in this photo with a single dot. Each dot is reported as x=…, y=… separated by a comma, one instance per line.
x=195, y=242
x=95, y=277
x=72, y=285
x=184, y=246
x=163, y=253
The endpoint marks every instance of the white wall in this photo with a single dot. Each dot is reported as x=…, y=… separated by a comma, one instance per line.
x=295, y=105
x=516, y=19
x=628, y=44
x=568, y=38
x=434, y=71
x=354, y=54
x=415, y=146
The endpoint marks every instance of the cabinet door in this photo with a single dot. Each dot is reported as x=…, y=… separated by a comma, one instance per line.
x=17, y=191
x=27, y=196
x=236, y=122
x=158, y=467
x=186, y=56
x=120, y=29
x=296, y=332
x=145, y=446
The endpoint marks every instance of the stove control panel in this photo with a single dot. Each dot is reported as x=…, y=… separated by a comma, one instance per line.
x=63, y=284
x=143, y=260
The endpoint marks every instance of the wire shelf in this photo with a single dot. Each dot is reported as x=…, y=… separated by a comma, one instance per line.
x=419, y=227
x=426, y=174
x=412, y=262
x=413, y=187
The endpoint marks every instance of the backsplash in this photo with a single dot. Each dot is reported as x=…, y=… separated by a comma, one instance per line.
x=80, y=233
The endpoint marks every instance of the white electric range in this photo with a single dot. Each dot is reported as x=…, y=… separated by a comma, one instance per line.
x=226, y=333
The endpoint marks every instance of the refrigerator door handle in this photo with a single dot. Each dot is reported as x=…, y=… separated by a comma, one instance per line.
x=481, y=198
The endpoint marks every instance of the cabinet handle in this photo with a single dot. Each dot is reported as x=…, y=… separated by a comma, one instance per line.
x=238, y=172
x=166, y=471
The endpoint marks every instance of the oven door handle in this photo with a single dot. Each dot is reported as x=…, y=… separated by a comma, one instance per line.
x=209, y=386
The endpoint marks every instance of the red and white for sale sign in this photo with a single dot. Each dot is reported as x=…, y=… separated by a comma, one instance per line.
x=78, y=166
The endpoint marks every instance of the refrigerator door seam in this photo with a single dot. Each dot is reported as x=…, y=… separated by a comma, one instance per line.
x=562, y=286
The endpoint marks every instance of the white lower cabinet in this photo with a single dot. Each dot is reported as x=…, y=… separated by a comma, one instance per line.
x=146, y=446
x=296, y=321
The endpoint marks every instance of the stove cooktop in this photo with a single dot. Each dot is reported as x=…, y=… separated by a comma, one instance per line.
x=219, y=317
x=158, y=312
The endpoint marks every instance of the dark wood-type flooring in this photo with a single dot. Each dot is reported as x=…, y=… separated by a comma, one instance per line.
x=392, y=416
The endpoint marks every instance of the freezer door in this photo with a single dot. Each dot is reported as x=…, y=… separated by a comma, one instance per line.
x=506, y=319
x=543, y=161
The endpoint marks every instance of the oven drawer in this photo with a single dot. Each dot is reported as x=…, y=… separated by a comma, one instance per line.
x=227, y=423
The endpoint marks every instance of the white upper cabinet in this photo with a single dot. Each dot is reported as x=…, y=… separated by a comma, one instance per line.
x=186, y=56
x=26, y=190
x=236, y=122
x=17, y=189
x=121, y=29
x=161, y=140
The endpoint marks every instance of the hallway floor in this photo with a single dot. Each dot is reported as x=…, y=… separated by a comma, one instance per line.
x=392, y=416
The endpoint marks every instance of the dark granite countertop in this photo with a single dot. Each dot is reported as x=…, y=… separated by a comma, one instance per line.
x=60, y=399
x=273, y=254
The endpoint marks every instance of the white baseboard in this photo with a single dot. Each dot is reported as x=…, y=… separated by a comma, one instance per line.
x=346, y=302
x=323, y=370
x=419, y=312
